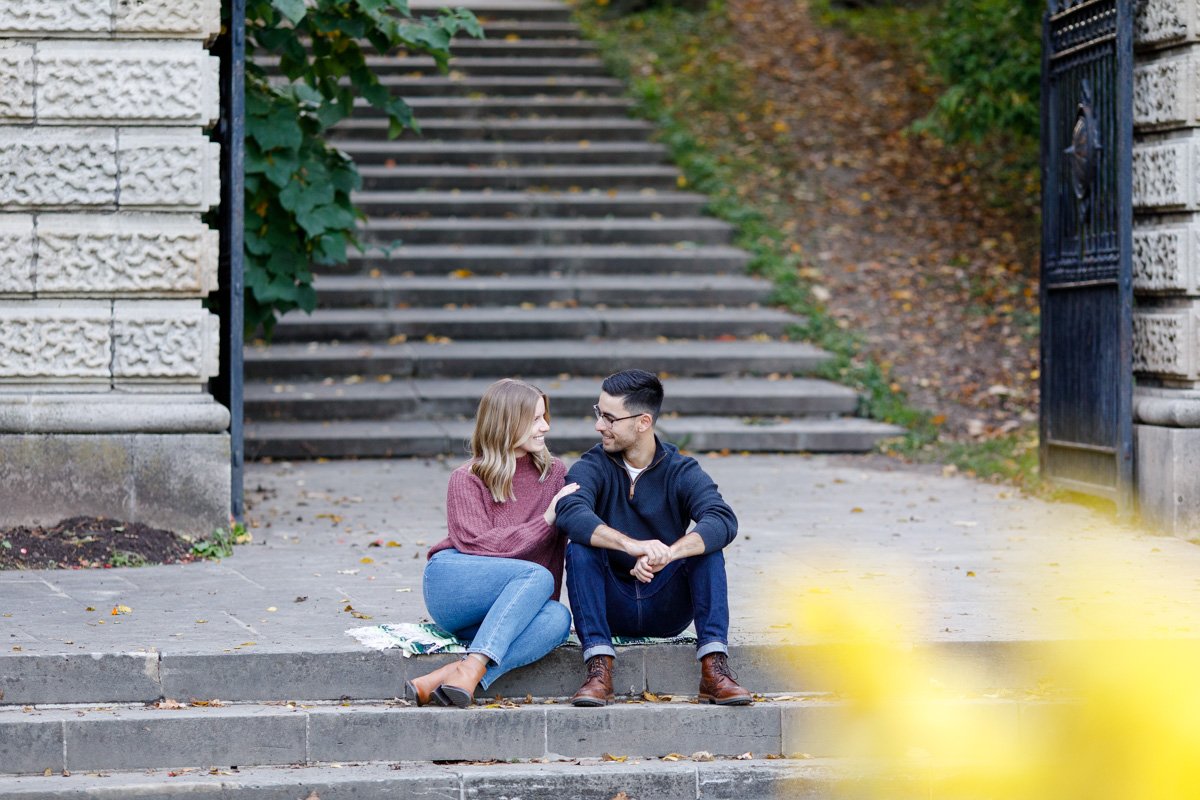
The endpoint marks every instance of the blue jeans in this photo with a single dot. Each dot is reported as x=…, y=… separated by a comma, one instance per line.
x=605, y=604
x=501, y=605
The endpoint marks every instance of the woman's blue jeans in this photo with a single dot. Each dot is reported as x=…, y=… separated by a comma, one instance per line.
x=501, y=605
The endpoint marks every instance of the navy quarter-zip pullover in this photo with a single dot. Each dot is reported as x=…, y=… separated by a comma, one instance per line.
x=665, y=499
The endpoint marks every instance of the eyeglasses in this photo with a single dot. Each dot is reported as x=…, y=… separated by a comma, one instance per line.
x=608, y=419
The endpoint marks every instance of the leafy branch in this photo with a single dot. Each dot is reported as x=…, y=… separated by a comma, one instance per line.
x=298, y=205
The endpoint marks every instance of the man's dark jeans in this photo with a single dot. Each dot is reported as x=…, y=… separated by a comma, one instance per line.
x=605, y=605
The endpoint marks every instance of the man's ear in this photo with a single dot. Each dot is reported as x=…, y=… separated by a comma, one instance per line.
x=645, y=422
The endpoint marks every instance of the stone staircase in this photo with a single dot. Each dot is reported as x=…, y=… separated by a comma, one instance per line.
x=544, y=236
x=95, y=727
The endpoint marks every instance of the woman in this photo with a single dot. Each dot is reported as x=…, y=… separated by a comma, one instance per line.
x=496, y=578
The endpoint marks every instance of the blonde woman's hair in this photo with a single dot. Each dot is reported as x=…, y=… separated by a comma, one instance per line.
x=502, y=421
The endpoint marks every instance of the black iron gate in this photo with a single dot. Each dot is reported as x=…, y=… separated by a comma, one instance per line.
x=1087, y=222
x=227, y=387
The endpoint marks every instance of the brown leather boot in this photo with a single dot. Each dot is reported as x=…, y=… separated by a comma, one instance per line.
x=420, y=690
x=597, y=689
x=458, y=687
x=717, y=684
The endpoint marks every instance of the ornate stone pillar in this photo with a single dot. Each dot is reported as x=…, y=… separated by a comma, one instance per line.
x=105, y=348
x=1166, y=263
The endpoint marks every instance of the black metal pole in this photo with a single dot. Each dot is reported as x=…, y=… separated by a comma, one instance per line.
x=227, y=388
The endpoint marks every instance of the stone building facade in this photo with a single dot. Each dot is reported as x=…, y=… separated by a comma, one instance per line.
x=1166, y=263
x=105, y=347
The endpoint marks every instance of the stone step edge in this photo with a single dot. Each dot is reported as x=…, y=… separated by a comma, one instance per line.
x=543, y=779
x=165, y=735
x=367, y=674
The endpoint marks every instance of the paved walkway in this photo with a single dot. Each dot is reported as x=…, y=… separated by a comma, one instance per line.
x=957, y=560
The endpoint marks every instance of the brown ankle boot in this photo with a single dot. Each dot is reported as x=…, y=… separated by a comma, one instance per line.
x=458, y=686
x=597, y=689
x=717, y=684
x=420, y=690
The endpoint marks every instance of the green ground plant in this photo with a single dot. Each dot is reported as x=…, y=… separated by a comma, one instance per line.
x=656, y=52
x=297, y=194
x=220, y=544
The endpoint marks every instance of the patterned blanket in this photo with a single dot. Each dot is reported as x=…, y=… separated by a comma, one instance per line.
x=420, y=638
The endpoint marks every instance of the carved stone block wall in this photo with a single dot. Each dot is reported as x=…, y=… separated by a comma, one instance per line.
x=1166, y=252
x=69, y=340
x=1164, y=175
x=85, y=341
x=167, y=82
x=16, y=81
x=164, y=340
x=83, y=19
x=124, y=254
x=105, y=171
x=16, y=255
x=176, y=169
x=1165, y=343
x=1164, y=92
x=1165, y=23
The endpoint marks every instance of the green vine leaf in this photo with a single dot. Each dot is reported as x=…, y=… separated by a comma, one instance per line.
x=298, y=188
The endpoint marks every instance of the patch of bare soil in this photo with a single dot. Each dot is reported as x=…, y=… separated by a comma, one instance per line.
x=90, y=542
x=906, y=238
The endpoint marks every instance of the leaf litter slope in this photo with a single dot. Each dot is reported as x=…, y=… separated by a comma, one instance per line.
x=928, y=251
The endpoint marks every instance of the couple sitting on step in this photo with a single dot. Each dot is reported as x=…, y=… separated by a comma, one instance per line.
x=633, y=568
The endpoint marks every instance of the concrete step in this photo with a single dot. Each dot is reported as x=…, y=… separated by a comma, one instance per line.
x=427, y=438
x=537, y=129
x=509, y=178
x=517, y=324
x=316, y=401
x=489, y=10
x=502, y=86
x=253, y=734
x=589, y=779
x=355, y=291
x=573, y=260
x=529, y=204
x=528, y=41
x=544, y=106
x=523, y=30
x=546, y=357
x=333, y=666
x=546, y=231
x=574, y=64
x=409, y=152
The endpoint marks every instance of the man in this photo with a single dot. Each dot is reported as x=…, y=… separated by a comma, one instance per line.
x=633, y=568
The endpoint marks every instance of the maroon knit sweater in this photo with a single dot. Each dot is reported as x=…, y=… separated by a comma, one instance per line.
x=480, y=526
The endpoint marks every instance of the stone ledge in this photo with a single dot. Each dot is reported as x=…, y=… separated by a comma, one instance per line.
x=191, y=19
x=109, y=168
x=113, y=412
x=96, y=82
x=180, y=482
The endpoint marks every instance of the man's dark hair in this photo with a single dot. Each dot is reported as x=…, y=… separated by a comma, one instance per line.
x=640, y=391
